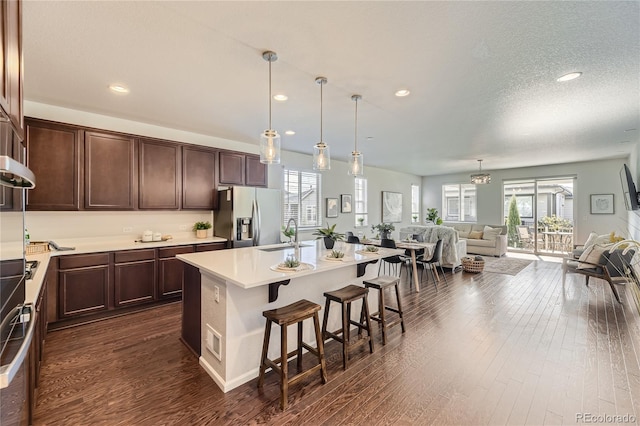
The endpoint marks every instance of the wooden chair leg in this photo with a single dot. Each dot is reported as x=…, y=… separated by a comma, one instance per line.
x=615, y=291
x=320, y=349
x=397, y=286
x=345, y=341
x=325, y=317
x=299, y=352
x=265, y=348
x=284, y=383
x=381, y=314
x=367, y=318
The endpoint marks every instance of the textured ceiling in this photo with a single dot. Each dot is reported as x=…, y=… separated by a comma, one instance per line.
x=482, y=75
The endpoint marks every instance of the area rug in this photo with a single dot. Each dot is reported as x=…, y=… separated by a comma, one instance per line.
x=505, y=265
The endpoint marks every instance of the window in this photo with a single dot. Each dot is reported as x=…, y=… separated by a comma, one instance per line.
x=415, y=204
x=453, y=210
x=360, y=200
x=301, y=198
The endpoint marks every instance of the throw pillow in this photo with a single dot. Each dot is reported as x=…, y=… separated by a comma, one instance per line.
x=597, y=239
x=490, y=234
x=592, y=254
x=463, y=234
x=591, y=240
x=475, y=235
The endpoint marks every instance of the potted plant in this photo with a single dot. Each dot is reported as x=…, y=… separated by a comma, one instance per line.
x=432, y=216
x=201, y=229
x=414, y=218
x=329, y=235
x=361, y=221
x=384, y=229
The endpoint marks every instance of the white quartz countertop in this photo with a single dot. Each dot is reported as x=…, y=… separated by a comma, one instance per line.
x=94, y=245
x=252, y=266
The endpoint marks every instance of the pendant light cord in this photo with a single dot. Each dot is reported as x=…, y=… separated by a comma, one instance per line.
x=321, y=84
x=269, y=92
x=356, y=131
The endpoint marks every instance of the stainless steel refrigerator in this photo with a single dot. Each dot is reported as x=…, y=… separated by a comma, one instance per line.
x=249, y=216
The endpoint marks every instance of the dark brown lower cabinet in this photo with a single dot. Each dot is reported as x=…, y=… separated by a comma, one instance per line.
x=171, y=271
x=83, y=284
x=135, y=277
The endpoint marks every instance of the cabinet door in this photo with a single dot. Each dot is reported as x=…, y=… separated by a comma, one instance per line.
x=198, y=178
x=83, y=290
x=11, y=95
x=211, y=246
x=255, y=171
x=171, y=271
x=110, y=172
x=231, y=168
x=53, y=154
x=135, y=277
x=160, y=175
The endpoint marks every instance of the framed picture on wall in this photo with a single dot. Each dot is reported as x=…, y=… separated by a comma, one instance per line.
x=332, y=207
x=391, y=206
x=345, y=203
x=602, y=204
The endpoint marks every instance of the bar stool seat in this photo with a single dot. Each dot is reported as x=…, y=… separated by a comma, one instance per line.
x=345, y=296
x=381, y=283
x=285, y=316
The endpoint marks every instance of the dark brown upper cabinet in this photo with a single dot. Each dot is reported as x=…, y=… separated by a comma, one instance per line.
x=231, y=168
x=160, y=175
x=54, y=153
x=198, y=178
x=241, y=169
x=109, y=171
x=11, y=69
x=255, y=171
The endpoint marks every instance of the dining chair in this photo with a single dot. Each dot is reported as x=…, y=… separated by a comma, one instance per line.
x=392, y=262
x=435, y=262
x=352, y=239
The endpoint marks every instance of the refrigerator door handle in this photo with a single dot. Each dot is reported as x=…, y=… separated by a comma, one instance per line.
x=255, y=223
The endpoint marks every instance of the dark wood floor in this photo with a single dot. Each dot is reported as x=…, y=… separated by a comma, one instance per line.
x=487, y=349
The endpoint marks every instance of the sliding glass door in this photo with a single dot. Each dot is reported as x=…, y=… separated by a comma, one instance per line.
x=539, y=214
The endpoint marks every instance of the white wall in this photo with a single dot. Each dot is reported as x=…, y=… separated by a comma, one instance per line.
x=52, y=225
x=593, y=177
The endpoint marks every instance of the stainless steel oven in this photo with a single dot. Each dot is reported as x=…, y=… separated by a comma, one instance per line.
x=16, y=325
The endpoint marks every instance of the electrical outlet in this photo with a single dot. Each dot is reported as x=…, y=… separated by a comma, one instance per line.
x=183, y=227
x=216, y=293
x=127, y=229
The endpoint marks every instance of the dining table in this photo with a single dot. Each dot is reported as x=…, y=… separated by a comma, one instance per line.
x=412, y=246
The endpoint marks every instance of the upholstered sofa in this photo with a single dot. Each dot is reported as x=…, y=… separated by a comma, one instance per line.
x=479, y=241
x=453, y=249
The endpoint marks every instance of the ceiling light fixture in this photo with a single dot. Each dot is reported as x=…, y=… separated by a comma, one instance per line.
x=402, y=93
x=321, y=156
x=290, y=132
x=280, y=98
x=480, y=178
x=356, y=166
x=569, y=77
x=270, y=139
x=119, y=89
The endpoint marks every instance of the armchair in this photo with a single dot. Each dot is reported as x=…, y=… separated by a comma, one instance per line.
x=611, y=267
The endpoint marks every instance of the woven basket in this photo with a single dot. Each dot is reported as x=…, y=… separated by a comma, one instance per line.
x=37, y=247
x=469, y=264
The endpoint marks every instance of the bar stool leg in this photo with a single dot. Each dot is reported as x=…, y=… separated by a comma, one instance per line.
x=345, y=340
x=325, y=317
x=299, y=352
x=320, y=346
x=265, y=348
x=367, y=318
x=284, y=382
x=381, y=313
x=399, y=307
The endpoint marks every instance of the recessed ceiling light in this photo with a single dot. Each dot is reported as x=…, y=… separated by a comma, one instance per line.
x=289, y=132
x=402, y=92
x=630, y=130
x=119, y=88
x=369, y=138
x=570, y=76
x=280, y=98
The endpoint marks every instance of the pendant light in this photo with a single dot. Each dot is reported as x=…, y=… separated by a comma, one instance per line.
x=270, y=139
x=356, y=166
x=321, y=156
x=480, y=178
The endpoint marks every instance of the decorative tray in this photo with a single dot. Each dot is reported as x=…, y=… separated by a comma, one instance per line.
x=334, y=259
x=365, y=252
x=302, y=267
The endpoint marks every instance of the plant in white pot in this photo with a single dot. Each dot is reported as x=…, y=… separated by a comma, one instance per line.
x=201, y=229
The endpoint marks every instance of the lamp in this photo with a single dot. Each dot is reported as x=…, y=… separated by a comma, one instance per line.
x=356, y=166
x=321, y=156
x=270, y=139
x=480, y=178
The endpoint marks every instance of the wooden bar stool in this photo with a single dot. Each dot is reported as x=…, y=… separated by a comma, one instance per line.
x=381, y=283
x=294, y=313
x=345, y=296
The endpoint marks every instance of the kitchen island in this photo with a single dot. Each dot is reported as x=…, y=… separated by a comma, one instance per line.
x=234, y=289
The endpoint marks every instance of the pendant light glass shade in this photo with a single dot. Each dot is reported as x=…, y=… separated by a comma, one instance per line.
x=270, y=139
x=321, y=155
x=480, y=178
x=356, y=164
